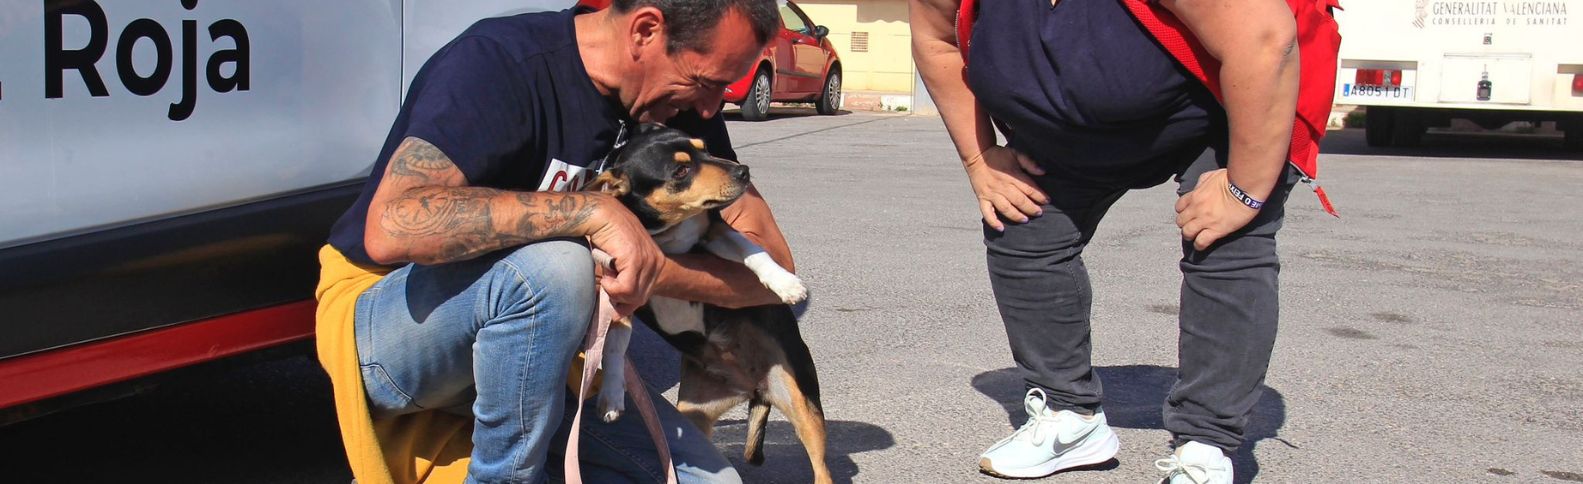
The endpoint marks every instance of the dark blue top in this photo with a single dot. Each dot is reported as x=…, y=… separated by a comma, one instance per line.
x=509, y=101
x=1086, y=91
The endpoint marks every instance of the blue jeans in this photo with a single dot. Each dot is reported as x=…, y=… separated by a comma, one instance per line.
x=493, y=338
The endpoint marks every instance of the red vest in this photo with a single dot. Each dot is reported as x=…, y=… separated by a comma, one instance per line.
x=1318, y=40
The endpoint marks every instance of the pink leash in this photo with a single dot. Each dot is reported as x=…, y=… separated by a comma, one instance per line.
x=593, y=354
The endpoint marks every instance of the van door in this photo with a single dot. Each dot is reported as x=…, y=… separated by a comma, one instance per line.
x=113, y=112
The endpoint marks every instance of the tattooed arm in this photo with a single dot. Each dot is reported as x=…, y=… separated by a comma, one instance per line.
x=422, y=212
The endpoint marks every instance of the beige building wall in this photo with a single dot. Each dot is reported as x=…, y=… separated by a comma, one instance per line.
x=887, y=64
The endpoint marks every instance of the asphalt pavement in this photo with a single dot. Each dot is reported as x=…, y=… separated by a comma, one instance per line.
x=1433, y=333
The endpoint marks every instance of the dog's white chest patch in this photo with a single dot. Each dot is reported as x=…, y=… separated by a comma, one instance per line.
x=676, y=316
x=682, y=237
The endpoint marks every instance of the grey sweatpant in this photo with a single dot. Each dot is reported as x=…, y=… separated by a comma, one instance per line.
x=1228, y=310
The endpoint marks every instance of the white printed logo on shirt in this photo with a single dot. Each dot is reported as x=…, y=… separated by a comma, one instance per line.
x=565, y=177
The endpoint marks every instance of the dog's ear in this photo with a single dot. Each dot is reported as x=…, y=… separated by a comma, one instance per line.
x=610, y=182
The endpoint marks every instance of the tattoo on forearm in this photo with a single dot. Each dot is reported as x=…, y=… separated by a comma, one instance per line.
x=552, y=216
x=460, y=221
x=438, y=211
x=458, y=216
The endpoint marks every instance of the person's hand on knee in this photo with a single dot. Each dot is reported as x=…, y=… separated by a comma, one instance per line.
x=1000, y=178
x=1212, y=210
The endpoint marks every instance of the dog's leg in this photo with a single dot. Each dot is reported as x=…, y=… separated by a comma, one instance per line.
x=731, y=245
x=612, y=389
x=703, y=397
x=805, y=416
x=758, y=418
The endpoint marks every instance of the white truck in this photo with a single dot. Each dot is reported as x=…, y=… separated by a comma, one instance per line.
x=1417, y=64
x=168, y=169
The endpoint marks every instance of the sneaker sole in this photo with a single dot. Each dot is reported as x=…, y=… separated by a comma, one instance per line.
x=1101, y=453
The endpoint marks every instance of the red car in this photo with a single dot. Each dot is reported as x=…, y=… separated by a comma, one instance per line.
x=800, y=65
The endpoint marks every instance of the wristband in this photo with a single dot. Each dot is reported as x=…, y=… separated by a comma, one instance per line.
x=1242, y=196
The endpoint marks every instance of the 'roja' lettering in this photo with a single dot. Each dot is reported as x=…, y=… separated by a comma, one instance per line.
x=142, y=33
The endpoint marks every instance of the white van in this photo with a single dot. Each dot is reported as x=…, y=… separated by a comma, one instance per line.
x=168, y=169
x=1420, y=63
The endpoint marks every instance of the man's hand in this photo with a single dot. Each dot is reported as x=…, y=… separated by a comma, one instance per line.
x=1210, y=212
x=1000, y=180
x=635, y=258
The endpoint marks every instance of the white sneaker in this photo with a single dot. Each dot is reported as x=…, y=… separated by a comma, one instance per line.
x=1195, y=463
x=1050, y=441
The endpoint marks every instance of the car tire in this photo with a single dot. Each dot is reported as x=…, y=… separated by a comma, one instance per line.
x=830, y=100
x=756, y=107
x=1407, y=129
x=1573, y=140
x=1377, y=127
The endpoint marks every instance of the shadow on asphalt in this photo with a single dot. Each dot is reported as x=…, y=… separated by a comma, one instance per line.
x=1456, y=145
x=784, y=457
x=1133, y=398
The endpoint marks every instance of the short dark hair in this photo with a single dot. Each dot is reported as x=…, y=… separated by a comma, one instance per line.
x=689, y=24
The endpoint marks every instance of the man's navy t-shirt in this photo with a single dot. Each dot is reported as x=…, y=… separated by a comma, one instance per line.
x=509, y=102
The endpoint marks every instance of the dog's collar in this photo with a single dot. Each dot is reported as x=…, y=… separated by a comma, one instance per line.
x=615, y=149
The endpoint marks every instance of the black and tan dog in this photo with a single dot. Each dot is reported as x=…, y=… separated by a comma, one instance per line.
x=730, y=356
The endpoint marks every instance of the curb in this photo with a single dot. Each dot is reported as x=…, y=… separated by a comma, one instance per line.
x=876, y=101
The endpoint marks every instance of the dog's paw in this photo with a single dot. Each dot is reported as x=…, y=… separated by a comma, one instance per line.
x=612, y=415
x=788, y=286
x=610, y=409
x=612, y=397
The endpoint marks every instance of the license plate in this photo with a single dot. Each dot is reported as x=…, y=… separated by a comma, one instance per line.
x=1366, y=91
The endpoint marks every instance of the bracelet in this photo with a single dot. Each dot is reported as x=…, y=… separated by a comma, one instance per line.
x=1242, y=196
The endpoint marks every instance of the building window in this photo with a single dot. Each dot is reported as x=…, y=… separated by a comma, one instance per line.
x=859, y=41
